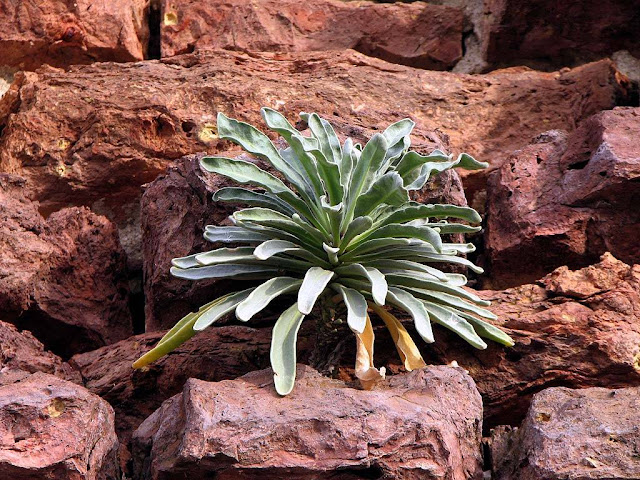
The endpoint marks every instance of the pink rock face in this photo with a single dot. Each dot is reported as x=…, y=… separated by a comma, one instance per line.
x=22, y=352
x=420, y=35
x=53, y=429
x=61, y=33
x=424, y=424
x=565, y=200
x=132, y=120
x=63, y=278
x=565, y=32
x=573, y=434
x=572, y=328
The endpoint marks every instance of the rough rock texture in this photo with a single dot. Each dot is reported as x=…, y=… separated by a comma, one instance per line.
x=95, y=134
x=566, y=200
x=218, y=353
x=573, y=328
x=574, y=435
x=175, y=209
x=22, y=352
x=425, y=424
x=559, y=33
x=420, y=35
x=63, y=278
x=62, y=33
x=54, y=429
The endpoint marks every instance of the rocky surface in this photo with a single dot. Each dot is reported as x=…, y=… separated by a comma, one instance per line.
x=558, y=33
x=62, y=33
x=87, y=149
x=379, y=30
x=565, y=200
x=598, y=430
x=54, y=429
x=572, y=328
x=22, y=354
x=63, y=278
x=218, y=353
x=423, y=424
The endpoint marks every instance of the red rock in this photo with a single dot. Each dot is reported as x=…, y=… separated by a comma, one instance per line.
x=567, y=200
x=53, y=429
x=63, y=278
x=420, y=35
x=218, y=353
x=559, y=33
x=573, y=434
x=424, y=424
x=132, y=120
x=573, y=328
x=21, y=351
x=61, y=33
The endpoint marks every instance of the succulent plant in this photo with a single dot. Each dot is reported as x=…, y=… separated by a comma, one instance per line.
x=340, y=227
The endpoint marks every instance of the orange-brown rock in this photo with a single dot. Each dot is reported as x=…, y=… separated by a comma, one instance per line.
x=218, y=353
x=54, y=429
x=93, y=135
x=419, y=34
x=63, y=33
x=424, y=424
x=558, y=33
x=22, y=354
x=572, y=328
x=592, y=434
x=63, y=278
x=565, y=200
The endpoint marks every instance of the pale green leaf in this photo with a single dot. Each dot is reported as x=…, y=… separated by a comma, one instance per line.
x=264, y=294
x=283, y=349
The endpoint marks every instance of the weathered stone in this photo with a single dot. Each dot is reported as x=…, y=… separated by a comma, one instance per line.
x=559, y=33
x=129, y=121
x=177, y=206
x=21, y=351
x=424, y=424
x=567, y=200
x=63, y=278
x=218, y=353
x=420, y=34
x=573, y=328
x=573, y=434
x=61, y=33
x=54, y=429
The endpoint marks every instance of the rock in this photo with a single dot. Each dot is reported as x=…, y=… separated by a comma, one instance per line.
x=22, y=352
x=424, y=424
x=177, y=206
x=63, y=278
x=598, y=429
x=420, y=34
x=132, y=120
x=218, y=353
x=558, y=34
x=54, y=429
x=60, y=33
x=565, y=200
x=572, y=328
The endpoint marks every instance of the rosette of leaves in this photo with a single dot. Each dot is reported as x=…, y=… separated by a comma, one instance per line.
x=340, y=228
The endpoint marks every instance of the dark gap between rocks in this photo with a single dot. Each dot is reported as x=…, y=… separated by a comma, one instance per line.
x=154, y=18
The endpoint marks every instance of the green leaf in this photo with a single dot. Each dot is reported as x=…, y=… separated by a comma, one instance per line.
x=455, y=323
x=417, y=283
x=388, y=189
x=272, y=247
x=253, y=199
x=467, y=162
x=414, y=307
x=220, y=309
x=413, y=160
x=222, y=255
x=264, y=294
x=245, y=272
x=315, y=281
x=283, y=349
x=395, y=132
x=355, y=228
x=377, y=245
x=420, y=211
x=397, y=230
x=390, y=266
x=346, y=164
x=356, y=307
x=217, y=234
x=375, y=277
x=486, y=330
x=329, y=142
x=278, y=123
x=457, y=303
x=330, y=175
